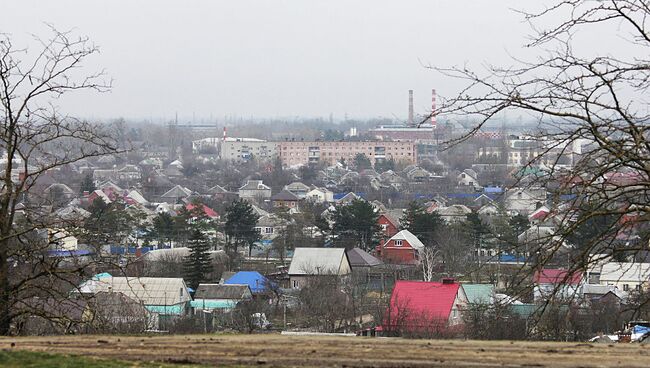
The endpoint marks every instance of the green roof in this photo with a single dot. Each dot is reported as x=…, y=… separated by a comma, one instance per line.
x=213, y=304
x=479, y=293
x=524, y=310
x=177, y=309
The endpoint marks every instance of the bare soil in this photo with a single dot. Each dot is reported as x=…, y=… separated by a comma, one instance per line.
x=325, y=351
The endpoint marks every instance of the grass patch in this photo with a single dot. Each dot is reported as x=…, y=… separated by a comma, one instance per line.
x=30, y=359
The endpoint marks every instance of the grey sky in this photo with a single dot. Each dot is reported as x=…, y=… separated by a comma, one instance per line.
x=273, y=58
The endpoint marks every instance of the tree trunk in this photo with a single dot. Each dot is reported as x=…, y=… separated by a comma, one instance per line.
x=5, y=317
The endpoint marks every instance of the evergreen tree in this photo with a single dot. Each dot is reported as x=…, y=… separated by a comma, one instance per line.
x=420, y=223
x=197, y=264
x=385, y=165
x=477, y=231
x=109, y=223
x=239, y=227
x=87, y=184
x=361, y=161
x=356, y=224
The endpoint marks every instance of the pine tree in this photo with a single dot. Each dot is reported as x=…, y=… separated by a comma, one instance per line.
x=240, y=224
x=420, y=223
x=87, y=184
x=355, y=225
x=197, y=264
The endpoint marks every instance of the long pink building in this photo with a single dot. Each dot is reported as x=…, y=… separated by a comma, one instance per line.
x=295, y=153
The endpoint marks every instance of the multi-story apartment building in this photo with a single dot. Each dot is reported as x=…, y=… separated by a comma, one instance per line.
x=295, y=153
x=237, y=149
x=243, y=149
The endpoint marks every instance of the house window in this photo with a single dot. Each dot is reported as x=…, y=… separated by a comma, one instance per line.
x=268, y=230
x=181, y=289
x=398, y=243
x=626, y=287
x=384, y=227
x=295, y=284
x=637, y=287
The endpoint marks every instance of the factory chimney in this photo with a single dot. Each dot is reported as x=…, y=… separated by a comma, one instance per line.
x=410, y=121
x=433, y=108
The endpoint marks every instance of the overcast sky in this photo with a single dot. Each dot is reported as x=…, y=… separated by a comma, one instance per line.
x=274, y=58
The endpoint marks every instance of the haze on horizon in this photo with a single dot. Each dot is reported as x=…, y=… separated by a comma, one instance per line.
x=271, y=59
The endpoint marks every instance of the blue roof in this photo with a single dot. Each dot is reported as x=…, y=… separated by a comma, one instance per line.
x=493, y=190
x=102, y=276
x=338, y=196
x=69, y=253
x=253, y=279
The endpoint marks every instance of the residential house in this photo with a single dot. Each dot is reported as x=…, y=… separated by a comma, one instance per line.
x=203, y=210
x=285, y=199
x=347, y=199
x=389, y=223
x=255, y=189
x=220, y=296
x=320, y=195
x=220, y=193
x=59, y=189
x=603, y=293
x=402, y=248
x=128, y=173
x=421, y=307
x=468, y=178
x=135, y=197
x=556, y=284
x=269, y=226
x=524, y=201
x=257, y=283
x=308, y=263
x=176, y=194
x=539, y=215
x=418, y=174
x=299, y=189
x=479, y=293
x=62, y=240
x=164, y=298
x=626, y=276
x=454, y=213
x=362, y=260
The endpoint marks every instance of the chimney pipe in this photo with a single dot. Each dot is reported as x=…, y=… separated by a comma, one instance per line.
x=410, y=107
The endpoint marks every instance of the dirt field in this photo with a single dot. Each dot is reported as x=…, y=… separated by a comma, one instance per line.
x=325, y=351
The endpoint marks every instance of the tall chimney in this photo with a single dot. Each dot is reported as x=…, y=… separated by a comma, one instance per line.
x=433, y=108
x=224, y=133
x=410, y=107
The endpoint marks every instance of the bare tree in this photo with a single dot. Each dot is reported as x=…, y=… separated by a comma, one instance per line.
x=428, y=261
x=592, y=126
x=36, y=138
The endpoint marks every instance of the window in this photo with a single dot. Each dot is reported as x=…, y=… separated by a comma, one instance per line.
x=398, y=243
x=181, y=290
x=638, y=287
x=295, y=284
x=626, y=287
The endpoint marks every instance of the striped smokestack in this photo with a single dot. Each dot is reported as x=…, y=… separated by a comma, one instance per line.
x=410, y=107
x=433, y=108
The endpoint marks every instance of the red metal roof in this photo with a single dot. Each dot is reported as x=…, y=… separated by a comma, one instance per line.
x=556, y=276
x=206, y=210
x=419, y=302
